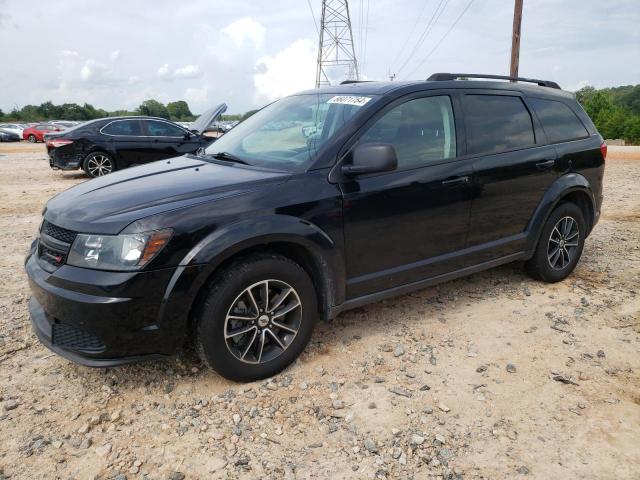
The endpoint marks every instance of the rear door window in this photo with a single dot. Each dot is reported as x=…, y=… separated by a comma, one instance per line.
x=127, y=128
x=163, y=129
x=497, y=123
x=560, y=123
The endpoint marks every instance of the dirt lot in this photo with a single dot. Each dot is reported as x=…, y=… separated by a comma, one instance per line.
x=461, y=380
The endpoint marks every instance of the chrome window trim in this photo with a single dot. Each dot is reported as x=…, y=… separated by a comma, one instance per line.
x=140, y=120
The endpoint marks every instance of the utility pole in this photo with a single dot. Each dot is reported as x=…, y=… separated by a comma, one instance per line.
x=335, y=48
x=515, y=38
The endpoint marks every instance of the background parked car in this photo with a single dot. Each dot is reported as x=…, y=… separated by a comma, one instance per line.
x=8, y=136
x=102, y=146
x=36, y=133
x=13, y=128
x=64, y=123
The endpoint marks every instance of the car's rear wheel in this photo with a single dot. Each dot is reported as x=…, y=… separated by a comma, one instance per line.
x=32, y=138
x=256, y=318
x=560, y=244
x=98, y=164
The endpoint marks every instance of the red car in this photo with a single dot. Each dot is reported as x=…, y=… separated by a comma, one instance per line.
x=36, y=133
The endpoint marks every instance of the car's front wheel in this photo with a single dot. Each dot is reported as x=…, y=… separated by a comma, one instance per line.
x=560, y=244
x=32, y=138
x=257, y=317
x=98, y=164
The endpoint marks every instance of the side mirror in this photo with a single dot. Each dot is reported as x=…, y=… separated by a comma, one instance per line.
x=372, y=158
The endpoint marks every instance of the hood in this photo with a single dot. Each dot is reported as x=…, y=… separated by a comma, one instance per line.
x=110, y=203
x=207, y=118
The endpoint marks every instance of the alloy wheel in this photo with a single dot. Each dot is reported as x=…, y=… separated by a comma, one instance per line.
x=263, y=321
x=563, y=243
x=99, y=165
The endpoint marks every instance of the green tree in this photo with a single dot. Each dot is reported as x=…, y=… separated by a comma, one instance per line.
x=248, y=114
x=1, y=114
x=179, y=111
x=153, y=108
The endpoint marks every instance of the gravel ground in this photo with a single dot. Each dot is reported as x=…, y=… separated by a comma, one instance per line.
x=491, y=376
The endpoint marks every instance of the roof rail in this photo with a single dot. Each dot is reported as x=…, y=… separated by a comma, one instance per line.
x=440, y=77
x=347, y=82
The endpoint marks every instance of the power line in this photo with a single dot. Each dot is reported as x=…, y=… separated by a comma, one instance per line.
x=363, y=57
x=443, y=37
x=315, y=22
x=413, y=29
x=432, y=21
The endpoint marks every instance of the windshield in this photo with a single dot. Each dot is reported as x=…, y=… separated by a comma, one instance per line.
x=288, y=134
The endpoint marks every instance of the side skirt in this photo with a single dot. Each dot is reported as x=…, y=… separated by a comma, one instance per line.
x=410, y=287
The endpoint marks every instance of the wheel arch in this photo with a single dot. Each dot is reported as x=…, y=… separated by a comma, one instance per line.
x=296, y=239
x=572, y=187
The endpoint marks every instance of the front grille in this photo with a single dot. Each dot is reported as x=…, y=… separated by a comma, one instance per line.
x=52, y=257
x=59, y=233
x=75, y=339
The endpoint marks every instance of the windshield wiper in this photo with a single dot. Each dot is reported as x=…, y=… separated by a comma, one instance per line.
x=229, y=157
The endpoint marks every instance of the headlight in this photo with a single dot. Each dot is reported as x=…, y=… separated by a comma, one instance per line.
x=117, y=252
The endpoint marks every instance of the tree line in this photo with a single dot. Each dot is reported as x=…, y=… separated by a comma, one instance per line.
x=176, y=111
x=615, y=111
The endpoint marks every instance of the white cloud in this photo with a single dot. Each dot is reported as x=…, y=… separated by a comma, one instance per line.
x=246, y=30
x=115, y=55
x=197, y=98
x=289, y=71
x=579, y=85
x=163, y=71
x=94, y=71
x=188, y=71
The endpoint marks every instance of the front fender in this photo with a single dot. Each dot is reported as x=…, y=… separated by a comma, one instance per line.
x=563, y=186
x=204, y=258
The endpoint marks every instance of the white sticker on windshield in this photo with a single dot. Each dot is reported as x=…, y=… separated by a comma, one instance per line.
x=349, y=100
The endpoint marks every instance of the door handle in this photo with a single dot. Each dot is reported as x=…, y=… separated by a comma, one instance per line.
x=545, y=165
x=455, y=181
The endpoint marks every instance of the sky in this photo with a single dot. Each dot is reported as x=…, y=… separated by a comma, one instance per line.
x=117, y=54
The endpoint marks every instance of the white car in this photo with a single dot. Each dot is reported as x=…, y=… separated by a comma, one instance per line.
x=13, y=128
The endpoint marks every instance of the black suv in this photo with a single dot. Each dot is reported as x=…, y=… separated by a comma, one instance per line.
x=320, y=202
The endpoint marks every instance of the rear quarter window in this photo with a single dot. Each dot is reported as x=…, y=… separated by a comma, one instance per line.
x=497, y=123
x=560, y=123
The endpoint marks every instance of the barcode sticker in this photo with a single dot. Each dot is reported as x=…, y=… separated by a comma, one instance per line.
x=349, y=100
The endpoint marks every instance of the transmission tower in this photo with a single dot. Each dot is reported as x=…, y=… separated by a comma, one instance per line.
x=335, y=48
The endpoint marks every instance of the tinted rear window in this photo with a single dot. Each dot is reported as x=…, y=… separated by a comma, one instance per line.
x=497, y=123
x=129, y=128
x=560, y=123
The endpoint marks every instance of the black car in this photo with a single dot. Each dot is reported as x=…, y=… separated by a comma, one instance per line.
x=7, y=136
x=102, y=146
x=321, y=202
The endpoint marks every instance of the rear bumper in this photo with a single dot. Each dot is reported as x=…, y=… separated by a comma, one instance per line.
x=57, y=161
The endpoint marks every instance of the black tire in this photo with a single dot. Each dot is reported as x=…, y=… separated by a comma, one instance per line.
x=226, y=291
x=97, y=164
x=551, y=265
x=32, y=138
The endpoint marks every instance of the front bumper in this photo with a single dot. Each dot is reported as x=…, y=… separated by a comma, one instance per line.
x=42, y=325
x=100, y=318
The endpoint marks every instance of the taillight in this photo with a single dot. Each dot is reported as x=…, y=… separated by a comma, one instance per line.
x=58, y=142
x=603, y=150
